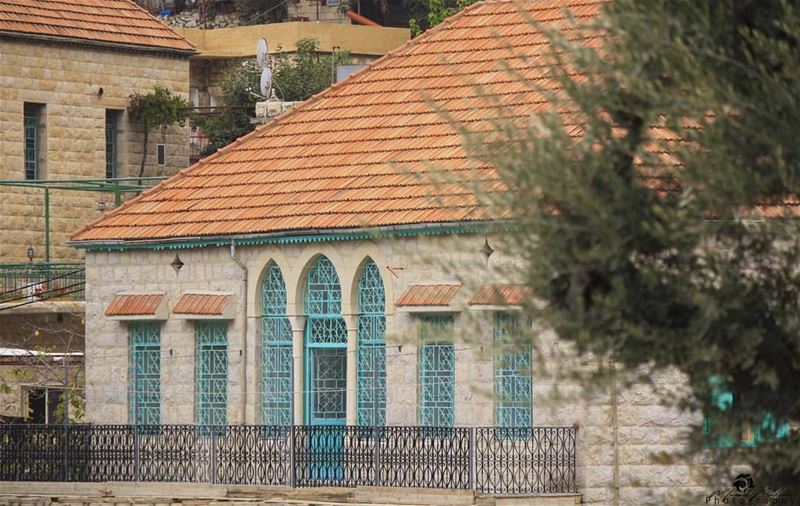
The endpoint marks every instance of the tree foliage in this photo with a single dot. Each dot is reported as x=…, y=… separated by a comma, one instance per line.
x=296, y=78
x=429, y=13
x=647, y=237
x=157, y=110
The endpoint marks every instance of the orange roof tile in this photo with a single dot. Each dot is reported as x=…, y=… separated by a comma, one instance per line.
x=499, y=295
x=108, y=21
x=135, y=305
x=202, y=304
x=428, y=295
x=370, y=151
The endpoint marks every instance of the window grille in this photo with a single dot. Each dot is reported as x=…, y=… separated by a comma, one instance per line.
x=145, y=373
x=211, y=370
x=326, y=346
x=111, y=144
x=436, y=370
x=371, y=347
x=31, y=121
x=276, y=351
x=512, y=374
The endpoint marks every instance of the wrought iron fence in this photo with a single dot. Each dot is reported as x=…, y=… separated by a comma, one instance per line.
x=21, y=283
x=492, y=460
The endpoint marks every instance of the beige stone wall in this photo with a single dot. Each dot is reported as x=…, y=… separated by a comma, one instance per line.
x=641, y=423
x=67, y=78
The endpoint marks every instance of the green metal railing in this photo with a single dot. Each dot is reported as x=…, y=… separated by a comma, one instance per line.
x=25, y=283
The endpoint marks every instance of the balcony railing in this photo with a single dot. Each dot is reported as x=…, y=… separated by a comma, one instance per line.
x=26, y=283
x=488, y=460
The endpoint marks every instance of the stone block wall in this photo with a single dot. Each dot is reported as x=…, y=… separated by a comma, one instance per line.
x=67, y=79
x=616, y=440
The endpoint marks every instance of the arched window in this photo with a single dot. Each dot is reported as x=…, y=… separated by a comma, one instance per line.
x=371, y=347
x=276, y=351
x=325, y=346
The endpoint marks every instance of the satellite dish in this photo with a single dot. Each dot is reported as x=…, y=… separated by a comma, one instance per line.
x=266, y=82
x=262, y=53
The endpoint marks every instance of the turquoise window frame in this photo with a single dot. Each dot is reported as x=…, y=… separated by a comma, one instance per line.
x=211, y=373
x=277, y=375
x=513, y=374
x=767, y=431
x=436, y=371
x=325, y=347
x=371, y=356
x=144, y=399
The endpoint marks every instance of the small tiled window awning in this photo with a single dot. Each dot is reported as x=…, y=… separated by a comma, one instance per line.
x=428, y=297
x=490, y=296
x=204, y=306
x=138, y=306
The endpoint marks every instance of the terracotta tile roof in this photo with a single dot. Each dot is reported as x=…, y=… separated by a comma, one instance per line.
x=499, y=295
x=369, y=151
x=109, y=21
x=202, y=304
x=428, y=295
x=135, y=305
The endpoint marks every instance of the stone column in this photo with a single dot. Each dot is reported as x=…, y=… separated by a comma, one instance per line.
x=298, y=367
x=352, y=368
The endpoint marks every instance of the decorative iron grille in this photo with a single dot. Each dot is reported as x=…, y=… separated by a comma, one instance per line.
x=525, y=460
x=145, y=376
x=512, y=374
x=211, y=369
x=371, y=357
x=436, y=371
x=492, y=460
x=276, y=351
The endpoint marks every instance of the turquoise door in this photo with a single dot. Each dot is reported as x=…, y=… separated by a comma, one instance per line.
x=328, y=384
x=325, y=374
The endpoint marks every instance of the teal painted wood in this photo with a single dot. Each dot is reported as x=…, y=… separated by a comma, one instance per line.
x=513, y=383
x=31, y=128
x=144, y=399
x=276, y=351
x=371, y=347
x=211, y=373
x=325, y=347
x=436, y=370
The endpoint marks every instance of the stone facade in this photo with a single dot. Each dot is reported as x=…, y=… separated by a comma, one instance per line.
x=67, y=80
x=618, y=433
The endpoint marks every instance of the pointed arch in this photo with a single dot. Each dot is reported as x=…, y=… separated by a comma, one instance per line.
x=276, y=349
x=371, y=346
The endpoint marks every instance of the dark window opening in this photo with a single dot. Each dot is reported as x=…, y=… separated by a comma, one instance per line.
x=162, y=154
x=43, y=405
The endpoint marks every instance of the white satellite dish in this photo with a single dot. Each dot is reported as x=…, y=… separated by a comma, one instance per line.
x=262, y=53
x=266, y=82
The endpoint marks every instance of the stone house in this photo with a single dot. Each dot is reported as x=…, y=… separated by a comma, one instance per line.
x=66, y=72
x=335, y=267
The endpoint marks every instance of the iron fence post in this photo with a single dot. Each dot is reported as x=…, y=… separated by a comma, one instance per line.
x=292, y=476
x=136, y=457
x=213, y=477
x=471, y=464
x=376, y=438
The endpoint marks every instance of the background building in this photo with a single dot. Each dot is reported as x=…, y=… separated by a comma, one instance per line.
x=67, y=70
